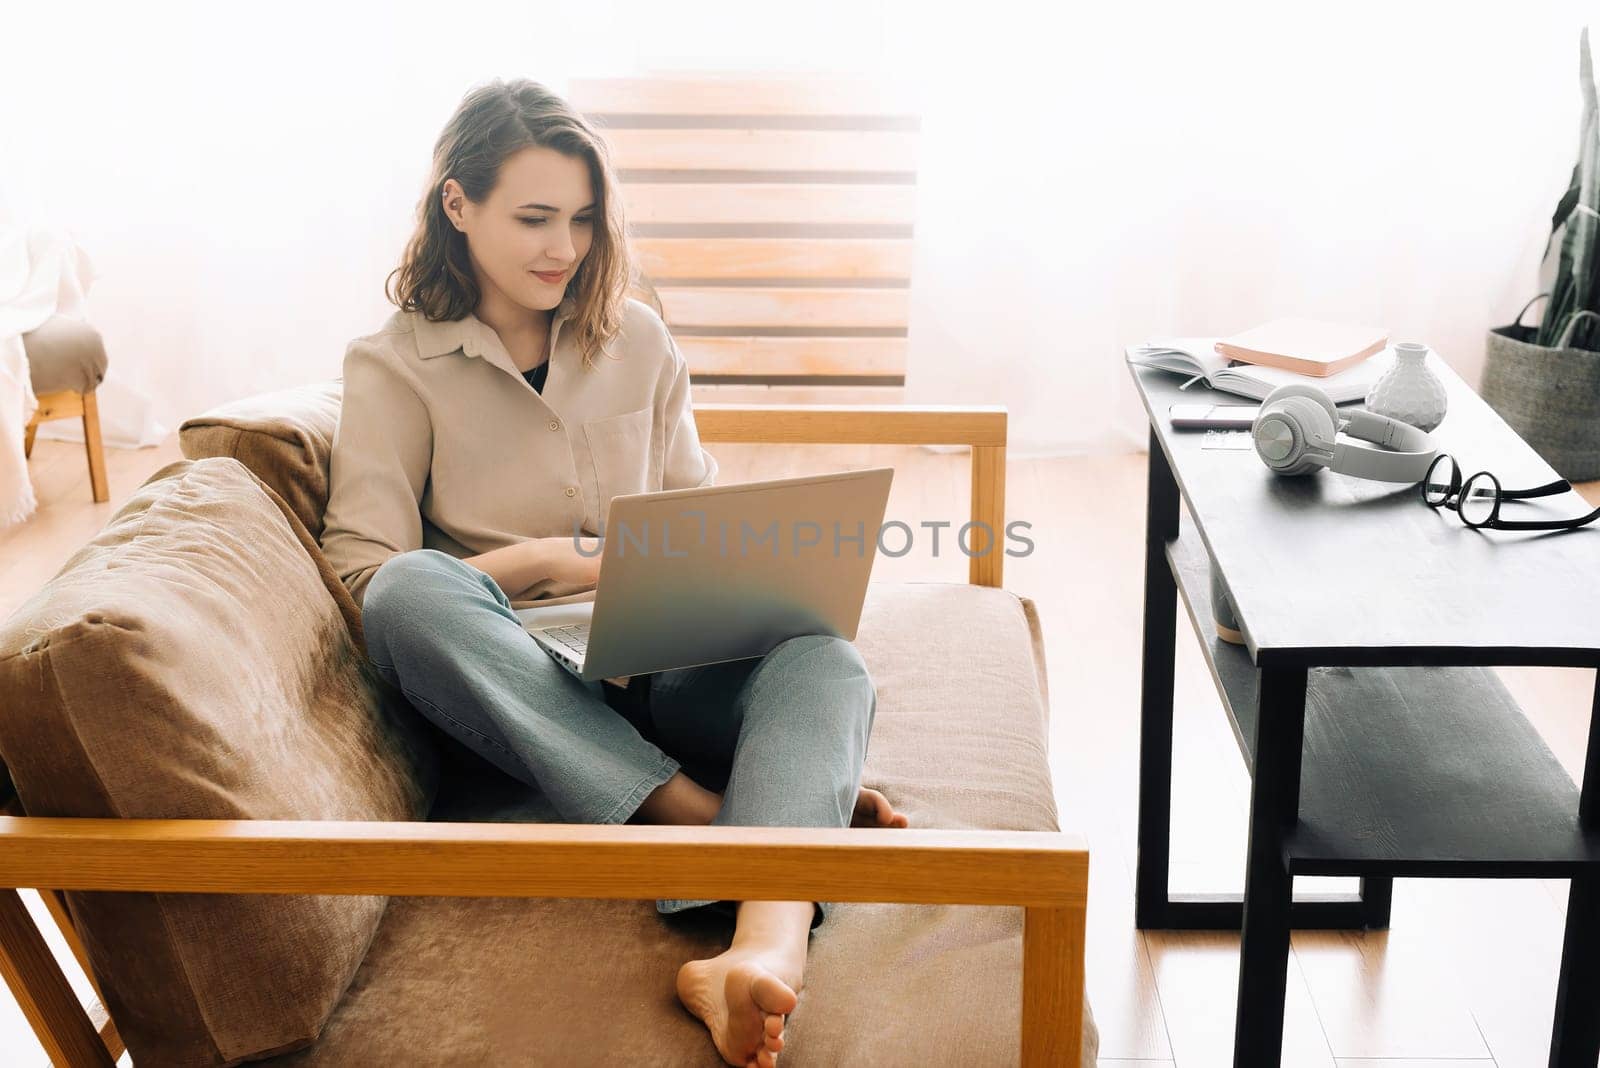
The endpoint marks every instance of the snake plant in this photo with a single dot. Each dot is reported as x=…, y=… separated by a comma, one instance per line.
x=1575, y=296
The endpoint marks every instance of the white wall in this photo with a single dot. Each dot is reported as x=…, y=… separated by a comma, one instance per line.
x=1144, y=170
x=244, y=175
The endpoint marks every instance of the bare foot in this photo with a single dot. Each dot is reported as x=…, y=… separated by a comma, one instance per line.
x=874, y=810
x=742, y=997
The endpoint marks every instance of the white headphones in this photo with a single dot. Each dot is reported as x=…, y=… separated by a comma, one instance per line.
x=1299, y=428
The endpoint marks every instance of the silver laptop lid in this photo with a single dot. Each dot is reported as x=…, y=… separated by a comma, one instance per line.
x=699, y=576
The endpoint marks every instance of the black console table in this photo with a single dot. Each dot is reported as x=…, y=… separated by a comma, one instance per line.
x=1379, y=741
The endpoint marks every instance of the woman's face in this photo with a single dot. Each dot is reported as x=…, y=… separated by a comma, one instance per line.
x=528, y=238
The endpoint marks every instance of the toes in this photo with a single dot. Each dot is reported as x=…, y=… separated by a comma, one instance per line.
x=888, y=817
x=774, y=1026
x=772, y=995
x=767, y=1059
x=874, y=810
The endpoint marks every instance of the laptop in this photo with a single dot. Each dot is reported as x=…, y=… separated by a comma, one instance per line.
x=717, y=573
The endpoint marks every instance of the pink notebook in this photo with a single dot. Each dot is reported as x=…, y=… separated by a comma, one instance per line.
x=1305, y=346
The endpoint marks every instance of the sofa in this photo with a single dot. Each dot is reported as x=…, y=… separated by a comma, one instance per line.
x=268, y=856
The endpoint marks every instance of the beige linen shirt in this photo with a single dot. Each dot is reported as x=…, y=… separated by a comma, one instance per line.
x=442, y=444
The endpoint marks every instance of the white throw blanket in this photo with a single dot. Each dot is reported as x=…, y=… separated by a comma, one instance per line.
x=43, y=273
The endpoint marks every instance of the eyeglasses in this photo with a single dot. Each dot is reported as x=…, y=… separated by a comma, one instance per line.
x=1478, y=500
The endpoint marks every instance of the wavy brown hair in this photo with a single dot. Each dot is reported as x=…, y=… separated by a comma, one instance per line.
x=493, y=122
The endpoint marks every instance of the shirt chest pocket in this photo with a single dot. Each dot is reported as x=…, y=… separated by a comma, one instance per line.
x=619, y=455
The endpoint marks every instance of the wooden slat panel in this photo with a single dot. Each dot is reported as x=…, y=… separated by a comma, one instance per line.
x=851, y=424
x=739, y=96
x=760, y=257
x=794, y=355
x=693, y=306
x=801, y=391
x=763, y=150
x=733, y=202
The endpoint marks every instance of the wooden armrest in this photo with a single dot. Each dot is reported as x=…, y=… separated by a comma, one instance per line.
x=1044, y=872
x=545, y=860
x=982, y=426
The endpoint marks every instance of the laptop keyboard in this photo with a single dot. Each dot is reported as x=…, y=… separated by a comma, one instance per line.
x=574, y=638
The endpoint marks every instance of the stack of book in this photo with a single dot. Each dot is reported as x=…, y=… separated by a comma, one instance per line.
x=1332, y=356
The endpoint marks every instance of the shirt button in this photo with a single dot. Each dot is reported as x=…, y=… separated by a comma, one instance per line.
x=572, y=491
x=555, y=424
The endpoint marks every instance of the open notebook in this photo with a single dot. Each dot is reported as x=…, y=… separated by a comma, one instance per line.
x=1197, y=358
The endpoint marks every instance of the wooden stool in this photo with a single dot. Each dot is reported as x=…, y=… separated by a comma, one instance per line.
x=67, y=361
x=65, y=405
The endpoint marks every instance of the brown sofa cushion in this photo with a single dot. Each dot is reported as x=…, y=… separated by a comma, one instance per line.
x=193, y=662
x=959, y=741
x=284, y=438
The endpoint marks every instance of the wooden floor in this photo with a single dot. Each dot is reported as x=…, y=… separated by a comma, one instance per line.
x=1467, y=974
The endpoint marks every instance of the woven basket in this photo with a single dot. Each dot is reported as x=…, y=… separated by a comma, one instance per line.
x=1549, y=396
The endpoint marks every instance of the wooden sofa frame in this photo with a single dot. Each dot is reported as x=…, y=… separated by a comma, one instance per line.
x=1044, y=873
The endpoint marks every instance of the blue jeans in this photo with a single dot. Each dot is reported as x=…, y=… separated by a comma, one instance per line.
x=783, y=736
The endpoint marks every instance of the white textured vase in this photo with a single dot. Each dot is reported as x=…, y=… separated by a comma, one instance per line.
x=1409, y=391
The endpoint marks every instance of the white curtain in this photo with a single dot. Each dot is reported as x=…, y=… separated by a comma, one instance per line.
x=244, y=175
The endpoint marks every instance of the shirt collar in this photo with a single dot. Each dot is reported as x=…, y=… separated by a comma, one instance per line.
x=468, y=334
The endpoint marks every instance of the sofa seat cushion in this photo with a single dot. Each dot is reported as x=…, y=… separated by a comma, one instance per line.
x=193, y=661
x=65, y=353
x=959, y=742
x=285, y=439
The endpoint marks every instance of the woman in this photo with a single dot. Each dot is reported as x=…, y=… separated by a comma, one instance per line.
x=515, y=392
